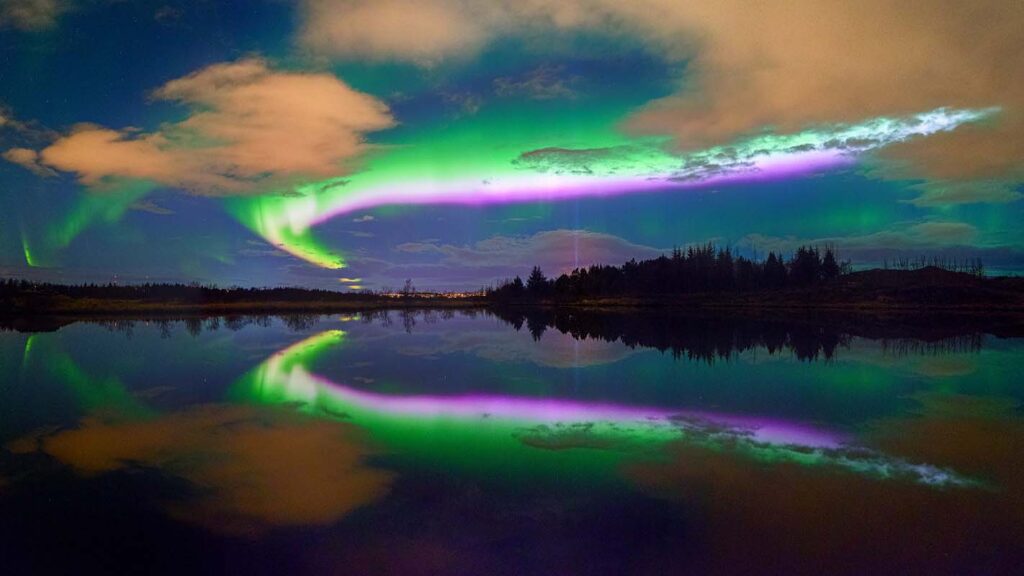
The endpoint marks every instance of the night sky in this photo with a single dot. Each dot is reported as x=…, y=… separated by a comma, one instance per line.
x=351, y=144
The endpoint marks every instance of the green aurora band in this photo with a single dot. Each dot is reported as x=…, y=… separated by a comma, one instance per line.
x=539, y=158
x=92, y=207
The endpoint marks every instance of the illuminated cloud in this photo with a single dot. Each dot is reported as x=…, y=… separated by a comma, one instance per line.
x=28, y=159
x=96, y=153
x=151, y=207
x=400, y=29
x=775, y=66
x=957, y=240
x=250, y=127
x=31, y=14
x=442, y=266
x=911, y=236
x=945, y=192
x=555, y=251
x=26, y=132
x=544, y=83
x=168, y=15
x=557, y=350
x=256, y=469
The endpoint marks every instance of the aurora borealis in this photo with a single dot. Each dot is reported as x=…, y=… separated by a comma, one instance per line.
x=456, y=143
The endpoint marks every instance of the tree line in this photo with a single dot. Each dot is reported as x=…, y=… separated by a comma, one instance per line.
x=189, y=293
x=698, y=269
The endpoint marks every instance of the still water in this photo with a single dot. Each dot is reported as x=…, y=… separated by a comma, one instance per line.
x=472, y=443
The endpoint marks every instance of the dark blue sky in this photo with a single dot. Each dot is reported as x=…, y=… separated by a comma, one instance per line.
x=455, y=143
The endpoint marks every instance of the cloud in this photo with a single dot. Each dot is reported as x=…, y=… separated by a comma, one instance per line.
x=26, y=132
x=151, y=207
x=910, y=236
x=494, y=342
x=544, y=83
x=394, y=29
x=772, y=66
x=28, y=159
x=168, y=14
x=257, y=469
x=788, y=66
x=944, y=192
x=260, y=248
x=555, y=251
x=943, y=232
x=249, y=128
x=31, y=14
x=465, y=103
x=98, y=153
x=576, y=160
x=433, y=265
x=950, y=239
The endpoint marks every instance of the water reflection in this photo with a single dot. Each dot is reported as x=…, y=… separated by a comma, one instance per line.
x=559, y=423
x=792, y=519
x=690, y=335
x=248, y=468
x=721, y=337
x=525, y=441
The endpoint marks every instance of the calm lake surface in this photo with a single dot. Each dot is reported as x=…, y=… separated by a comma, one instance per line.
x=525, y=443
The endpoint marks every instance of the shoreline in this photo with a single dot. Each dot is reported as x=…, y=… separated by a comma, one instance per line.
x=928, y=290
x=683, y=304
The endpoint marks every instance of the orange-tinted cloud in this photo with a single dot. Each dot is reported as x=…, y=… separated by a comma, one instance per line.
x=402, y=29
x=252, y=469
x=28, y=159
x=31, y=14
x=250, y=128
x=779, y=66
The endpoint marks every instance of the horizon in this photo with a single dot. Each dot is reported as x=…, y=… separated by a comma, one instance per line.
x=969, y=267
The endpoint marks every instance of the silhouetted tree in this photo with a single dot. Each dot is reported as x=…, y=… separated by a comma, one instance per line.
x=774, y=272
x=805, y=267
x=829, y=266
x=537, y=283
x=700, y=269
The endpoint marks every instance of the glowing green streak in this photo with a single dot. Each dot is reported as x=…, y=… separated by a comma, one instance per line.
x=259, y=214
x=91, y=207
x=27, y=250
x=91, y=393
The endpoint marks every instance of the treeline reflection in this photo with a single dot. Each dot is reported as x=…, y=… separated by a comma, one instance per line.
x=711, y=338
x=706, y=338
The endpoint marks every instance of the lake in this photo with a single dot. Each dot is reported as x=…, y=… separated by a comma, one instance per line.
x=515, y=442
